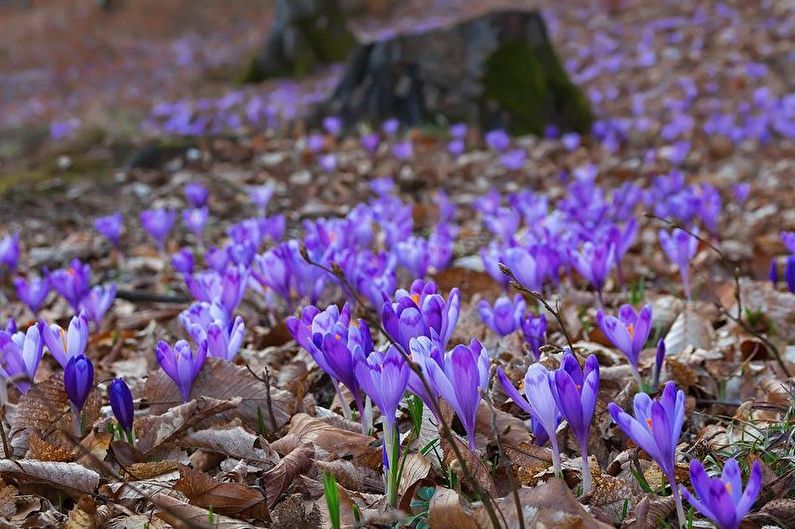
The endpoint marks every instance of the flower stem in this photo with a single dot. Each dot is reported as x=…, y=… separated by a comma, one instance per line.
x=77, y=422
x=556, y=457
x=587, y=480
x=346, y=408
x=680, y=512
x=392, y=443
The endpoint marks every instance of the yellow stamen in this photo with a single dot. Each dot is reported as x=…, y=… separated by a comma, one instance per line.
x=337, y=337
x=631, y=330
x=648, y=423
x=416, y=298
x=729, y=488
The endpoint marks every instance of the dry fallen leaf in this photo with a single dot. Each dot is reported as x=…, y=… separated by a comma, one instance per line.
x=690, y=329
x=233, y=442
x=69, y=477
x=232, y=499
x=448, y=510
x=181, y=515
x=278, y=479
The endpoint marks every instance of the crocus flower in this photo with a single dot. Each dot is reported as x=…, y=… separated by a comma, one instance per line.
x=506, y=315
x=273, y=269
x=741, y=192
x=197, y=318
x=526, y=269
x=680, y=247
x=723, y=499
x=328, y=162
x=594, y=263
x=334, y=340
x=575, y=393
x=97, y=302
x=223, y=342
x=261, y=195
x=227, y=287
x=514, y=159
x=656, y=428
x=571, y=141
x=659, y=360
x=121, y=402
x=158, y=223
x=772, y=273
x=421, y=311
x=788, y=238
x=414, y=255
x=390, y=126
x=11, y=326
x=196, y=195
x=20, y=354
x=181, y=364
x=789, y=272
x=9, y=251
x=333, y=125
x=502, y=222
x=64, y=345
x=184, y=262
x=403, y=150
x=110, y=227
x=534, y=330
x=370, y=142
x=498, y=140
x=629, y=332
x=72, y=282
x=539, y=402
x=78, y=379
x=456, y=147
x=459, y=381
x=195, y=219
x=32, y=292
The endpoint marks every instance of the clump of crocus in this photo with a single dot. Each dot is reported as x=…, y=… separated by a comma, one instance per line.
x=459, y=380
x=184, y=262
x=110, y=227
x=498, y=140
x=64, y=345
x=680, y=247
x=414, y=255
x=534, y=330
x=97, y=302
x=158, y=223
x=9, y=252
x=196, y=194
x=594, y=262
x=261, y=196
x=181, y=364
x=195, y=219
x=506, y=315
x=628, y=333
x=539, y=402
x=421, y=311
x=32, y=291
x=656, y=428
x=384, y=377
x=723, y=499
x=20, y=354
x=121, y=402
x=210, y=322
x=78, y=379
x=73, y=282
x=227, y=287
x=575, y=394
x=334, y=341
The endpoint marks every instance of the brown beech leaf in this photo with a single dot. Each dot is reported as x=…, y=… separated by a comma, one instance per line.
x=330, y=442
x=223, y=380
x=690, y=328
x=8, y=495
x=232, y=499
x=42, y=450
x=151, y=469
x=351, y=476
x=137, y=521
x=778, y=307
x=649, y=511
x=777, y=513
x=611, y=494
x=549, y=505
x=45, y=407
x=416, y=467
x=448, y=510
x=83, y=515
x=474, y=465
x=69, y=477
x=181, y=515
x=157, y=430
x=278, y=479
x=234, y=442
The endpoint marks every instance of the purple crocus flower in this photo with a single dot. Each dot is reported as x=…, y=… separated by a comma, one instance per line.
x=227, y=287
x=403, y=150
x=526, y=269
x=196, y=195
x=184, y=262
x=459, y=381
x=656, y=428
x=539, y=402
x=158, y=223
x=680, y=247
x=64, y=345
x=414, y=255
x=334, y=342
x=659, y=360
x=273, y=270
x=370, y=142
x=121, y=402
x=421, y=311
x=571, y=141
x=195, y=219
x=315, y=143
x=456, y=147
x=789, y=272
x=498, y=140
x=491, y=256
x=78, y=379
x=72, y=282
x=97, y=302
x=534, y=330
x=723, y=499
x=506, y=315
x=110, y=227
x=788, y=238
x=181, y=364
x=575, y=393
x=9, y=251
x=261, y=195
x=629, y=332
x=384, y=378
x=20, y=354
x=514, y=159
x=503, y=222
x=594, y=263
x=390, y=126
x=711, y=207
x=32, y=292
x=333, y=125
x=741, y=191
x=224, y=342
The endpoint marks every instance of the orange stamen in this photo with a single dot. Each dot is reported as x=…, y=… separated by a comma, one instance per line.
x=648, y=423
x=631, y=330
x=416, y=298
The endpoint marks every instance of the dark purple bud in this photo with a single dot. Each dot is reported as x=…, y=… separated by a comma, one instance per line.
x=773, y=273
x=121, y=402
x=78, y=379
x=196, y=194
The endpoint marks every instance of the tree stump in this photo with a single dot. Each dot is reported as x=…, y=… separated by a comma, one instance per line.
x=498, y=69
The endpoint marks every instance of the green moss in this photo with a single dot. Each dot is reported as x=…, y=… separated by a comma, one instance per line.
x=531, y=86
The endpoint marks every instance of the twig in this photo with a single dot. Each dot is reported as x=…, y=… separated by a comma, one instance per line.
x=540, y=299
x=501, y=454
x=141, y=296
x=738, y=319
x=265, y=379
